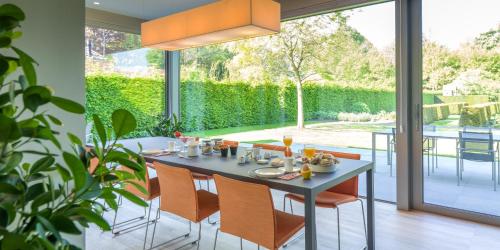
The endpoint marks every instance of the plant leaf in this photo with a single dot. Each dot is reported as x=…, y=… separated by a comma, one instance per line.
x=92, y=217
x=67, y=105
x=77, y=169
x=123, y=122
x=35, y=96
x=74, y=139
x=13, y=11
x=54, y=120
x=131, y=197
x=10, y=129
x=101, y=131
x=27, y=63
x=64, y=225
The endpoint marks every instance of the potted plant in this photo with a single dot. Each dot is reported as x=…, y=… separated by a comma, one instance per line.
x=46, y=191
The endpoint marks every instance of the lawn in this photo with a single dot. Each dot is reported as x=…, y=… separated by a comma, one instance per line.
x=225, y=131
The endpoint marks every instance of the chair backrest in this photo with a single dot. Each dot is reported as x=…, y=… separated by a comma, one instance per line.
x=146, y=184
x=178, y=193
x=349, y=187
x=270, y=147
x=246, y=211
x=94, y=163
x=476, y=146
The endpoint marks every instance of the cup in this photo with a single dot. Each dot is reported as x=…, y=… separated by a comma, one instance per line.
x=242, y=160
x=233, y=149
x=224, y=150
x=256, y=153
x=288, y=164
x=171, y=146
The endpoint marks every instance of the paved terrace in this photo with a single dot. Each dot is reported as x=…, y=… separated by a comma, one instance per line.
x=475, y=192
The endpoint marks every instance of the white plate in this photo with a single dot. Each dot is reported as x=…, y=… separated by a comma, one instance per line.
x=295, y=169
x=152, y=151
x=320, y=169
x=262, y=161
x=269, y=172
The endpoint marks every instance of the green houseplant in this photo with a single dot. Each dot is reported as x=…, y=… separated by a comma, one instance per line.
x=166, y=126
x=46, y=191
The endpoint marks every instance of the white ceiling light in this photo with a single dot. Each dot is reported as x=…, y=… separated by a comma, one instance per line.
x=97, y=3
x=221, y=21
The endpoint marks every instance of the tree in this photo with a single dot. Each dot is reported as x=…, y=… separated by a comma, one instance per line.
x=156, y=58
x=301, y=42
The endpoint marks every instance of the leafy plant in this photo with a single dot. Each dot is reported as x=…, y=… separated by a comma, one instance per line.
x=45, y=190
x=360, y=107
x=166, y=126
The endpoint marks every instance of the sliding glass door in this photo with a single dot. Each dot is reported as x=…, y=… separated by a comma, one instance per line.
x=460, y=107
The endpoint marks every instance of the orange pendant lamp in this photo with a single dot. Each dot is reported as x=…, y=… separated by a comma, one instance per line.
x=221, y=21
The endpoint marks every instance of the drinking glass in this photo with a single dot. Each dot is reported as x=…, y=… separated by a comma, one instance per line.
x=309, y=151
x=287, y=140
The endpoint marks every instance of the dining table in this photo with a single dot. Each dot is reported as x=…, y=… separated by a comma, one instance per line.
x=229, y=167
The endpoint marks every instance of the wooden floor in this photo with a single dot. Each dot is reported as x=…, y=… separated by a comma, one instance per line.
x=394, y=230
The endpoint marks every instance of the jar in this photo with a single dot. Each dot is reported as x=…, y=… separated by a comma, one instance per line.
x=206, y=147
x=217, y=142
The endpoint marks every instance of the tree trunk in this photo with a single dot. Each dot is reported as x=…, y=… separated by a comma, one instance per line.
x=300, y=107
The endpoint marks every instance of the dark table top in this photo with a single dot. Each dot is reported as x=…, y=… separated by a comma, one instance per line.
x=215, y=164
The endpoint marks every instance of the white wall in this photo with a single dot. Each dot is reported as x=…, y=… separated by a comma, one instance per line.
x=53, y=34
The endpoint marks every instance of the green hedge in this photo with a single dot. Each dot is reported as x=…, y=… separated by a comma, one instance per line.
x=211, y=105
x=479, y=114
x=143, y=97
x=469, y=99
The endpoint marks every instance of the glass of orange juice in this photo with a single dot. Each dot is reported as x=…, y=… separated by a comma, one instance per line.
x=309, y=151
x=287, y=140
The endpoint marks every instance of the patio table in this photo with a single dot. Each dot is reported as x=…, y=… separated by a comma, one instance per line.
x=453, y=135
x=228, y=167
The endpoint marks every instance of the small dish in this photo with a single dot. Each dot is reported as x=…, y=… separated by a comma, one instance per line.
x=262, y=161
x=152, y=151
x=294, y=170
x=269, y=172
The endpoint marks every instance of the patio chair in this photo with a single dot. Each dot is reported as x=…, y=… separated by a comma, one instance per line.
x=429, y=147
x=391, y=149
x=478, y=147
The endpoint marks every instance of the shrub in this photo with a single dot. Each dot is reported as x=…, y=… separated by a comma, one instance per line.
x=324, y=115
x=479, y=114
x=360, y=107
x=355, y=117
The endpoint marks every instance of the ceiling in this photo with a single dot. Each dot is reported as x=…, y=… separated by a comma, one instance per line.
x=145, y=9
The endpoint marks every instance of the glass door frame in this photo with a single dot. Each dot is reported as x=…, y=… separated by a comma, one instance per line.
x=412, y=31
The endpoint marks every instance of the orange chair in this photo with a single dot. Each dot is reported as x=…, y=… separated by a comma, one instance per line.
x=180, y=197
x=152, y=186
x=270, y=147
x=343, y=193
x=247, y=211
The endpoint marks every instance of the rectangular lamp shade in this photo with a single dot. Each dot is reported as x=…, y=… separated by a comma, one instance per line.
x=221, y=21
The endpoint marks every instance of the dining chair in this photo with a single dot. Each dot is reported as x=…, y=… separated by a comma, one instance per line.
x=269, y=147
x=477, y=146
x=345, y=192
x=179, y=196
x=429, y=147
x=151, y=185
x=247, y=211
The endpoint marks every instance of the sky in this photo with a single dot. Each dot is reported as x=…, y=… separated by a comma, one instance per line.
x=448, y=22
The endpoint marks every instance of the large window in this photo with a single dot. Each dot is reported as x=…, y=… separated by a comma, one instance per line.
x=121, y=74
x=461, y=65
x=327, y=80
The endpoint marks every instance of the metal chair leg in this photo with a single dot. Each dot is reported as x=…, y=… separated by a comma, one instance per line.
x=208, y=220
x=147, y=225
x=291, y=207
x=338, y=227
x=364, y=219
x=131, y=228
x=168, y=241
x=241, y=243
x=216, y=235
